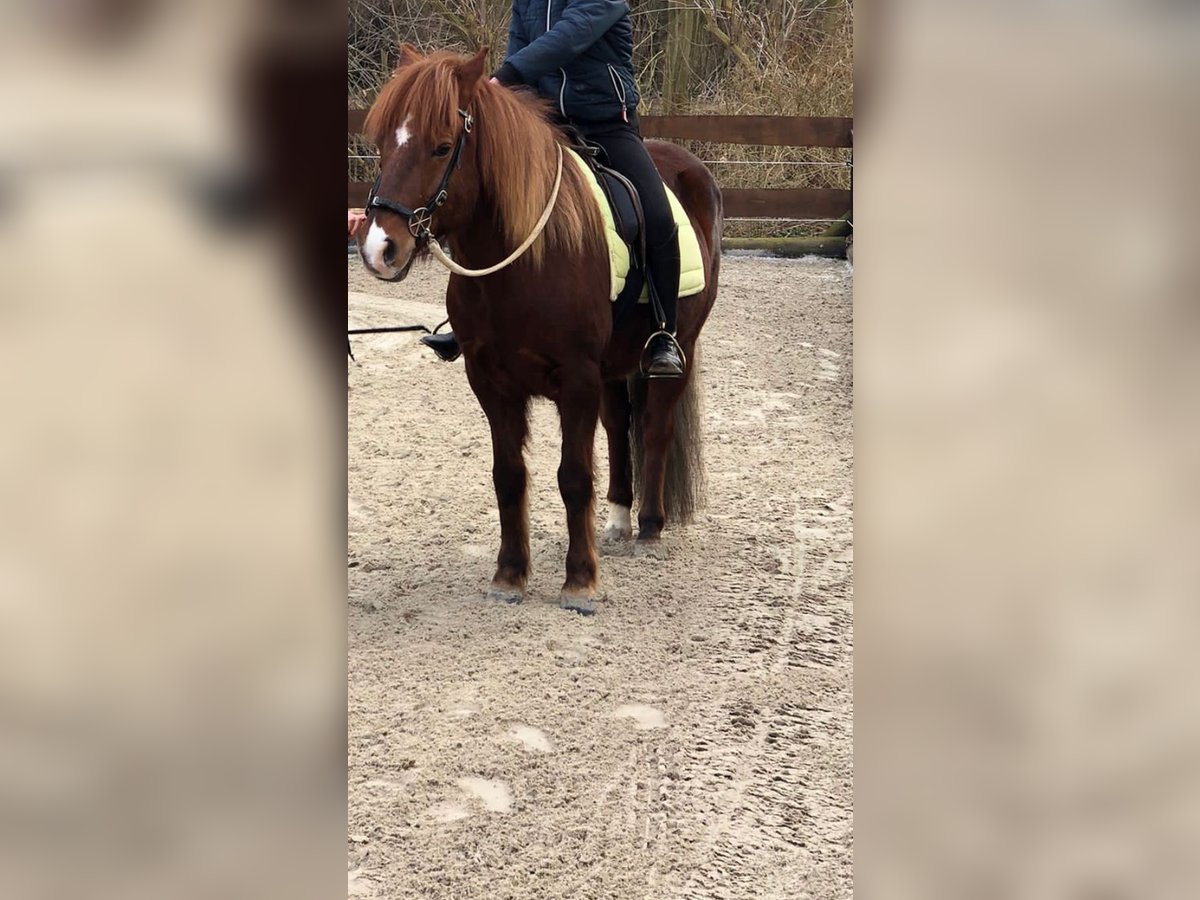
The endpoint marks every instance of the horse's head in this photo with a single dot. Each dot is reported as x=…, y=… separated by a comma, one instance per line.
x=425, y=187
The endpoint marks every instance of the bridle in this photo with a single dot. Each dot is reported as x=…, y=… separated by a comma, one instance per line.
x=420, y=219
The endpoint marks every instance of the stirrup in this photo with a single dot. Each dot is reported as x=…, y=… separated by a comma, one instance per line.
x=642, y=359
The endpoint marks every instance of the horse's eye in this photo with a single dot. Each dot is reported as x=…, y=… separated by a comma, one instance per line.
x=443, y=150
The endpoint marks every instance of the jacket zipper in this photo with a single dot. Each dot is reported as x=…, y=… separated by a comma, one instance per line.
x=562, y=91
x=620, y=89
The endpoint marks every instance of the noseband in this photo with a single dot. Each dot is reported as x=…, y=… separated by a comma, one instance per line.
x=420, y=219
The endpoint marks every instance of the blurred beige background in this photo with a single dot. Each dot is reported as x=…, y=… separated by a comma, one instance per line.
x=171, y=594
x=171, y=543
x=1026, y=439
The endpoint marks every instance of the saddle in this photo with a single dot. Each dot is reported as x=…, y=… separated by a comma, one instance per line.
x=626, y=231
x=622, y=197
x=626, y=206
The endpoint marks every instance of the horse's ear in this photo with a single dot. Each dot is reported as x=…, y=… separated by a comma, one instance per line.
x=469, y=75
x=408, y=55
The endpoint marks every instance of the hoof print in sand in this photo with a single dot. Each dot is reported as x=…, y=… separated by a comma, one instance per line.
x=445, y=813
x=357, y=884
x=494, y=795
x=532, y=738
x=644, y=717
x=573, y=655
x=615, y=549
x=649, y=550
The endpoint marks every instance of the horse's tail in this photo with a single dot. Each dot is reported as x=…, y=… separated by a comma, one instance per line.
x=683, y=486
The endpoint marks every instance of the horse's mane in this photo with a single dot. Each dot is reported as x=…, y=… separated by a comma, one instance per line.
x=514, y=146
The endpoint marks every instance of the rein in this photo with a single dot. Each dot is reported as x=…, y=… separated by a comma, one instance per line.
x=436, y=249
x=420, y=219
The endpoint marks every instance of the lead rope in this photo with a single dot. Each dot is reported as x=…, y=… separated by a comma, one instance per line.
x=440, y=255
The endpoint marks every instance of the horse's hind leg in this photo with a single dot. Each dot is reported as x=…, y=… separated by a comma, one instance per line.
x=658, y=428
x=615, y=412
x=578, y=407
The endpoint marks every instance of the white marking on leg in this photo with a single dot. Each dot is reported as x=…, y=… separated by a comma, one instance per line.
x=620, y=516
x=403, y=134
x=620, y=521
x=374, y=246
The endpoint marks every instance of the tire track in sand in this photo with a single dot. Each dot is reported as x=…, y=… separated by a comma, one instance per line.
x=740, y=640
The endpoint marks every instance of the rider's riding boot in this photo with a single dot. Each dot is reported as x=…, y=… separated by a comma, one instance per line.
x=444, y=345
x=666, y=359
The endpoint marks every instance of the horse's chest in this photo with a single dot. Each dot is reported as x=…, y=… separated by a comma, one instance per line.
x=514, y=372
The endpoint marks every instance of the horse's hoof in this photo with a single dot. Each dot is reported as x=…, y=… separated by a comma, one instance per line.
x=649, y=549
x=505, y=595
x=582, y=602
x=616, y=542
x=615, y=534
x=619, y=527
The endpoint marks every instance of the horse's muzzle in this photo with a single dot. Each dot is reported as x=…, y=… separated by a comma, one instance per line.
x=381, y=253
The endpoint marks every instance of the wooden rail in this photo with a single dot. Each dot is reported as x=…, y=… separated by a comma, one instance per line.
x=773, y=131
x=768, y=131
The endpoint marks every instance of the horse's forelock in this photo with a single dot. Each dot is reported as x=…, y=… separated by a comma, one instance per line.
x=423, y=94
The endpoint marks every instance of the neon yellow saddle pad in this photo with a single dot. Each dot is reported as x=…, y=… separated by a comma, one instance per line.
x=691, y=262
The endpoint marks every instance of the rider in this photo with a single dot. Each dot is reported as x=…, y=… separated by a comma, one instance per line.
x=579, y=53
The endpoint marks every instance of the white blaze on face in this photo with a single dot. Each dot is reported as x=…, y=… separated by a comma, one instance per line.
x=376, y=241
x=373, y=247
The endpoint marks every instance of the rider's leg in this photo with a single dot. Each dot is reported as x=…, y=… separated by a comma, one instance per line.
x=628, y=155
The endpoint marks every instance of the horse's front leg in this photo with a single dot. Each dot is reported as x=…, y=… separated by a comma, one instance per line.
x=508, y=419
x=579, y=409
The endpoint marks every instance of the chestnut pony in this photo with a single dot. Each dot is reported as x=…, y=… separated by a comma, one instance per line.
x=476, y=166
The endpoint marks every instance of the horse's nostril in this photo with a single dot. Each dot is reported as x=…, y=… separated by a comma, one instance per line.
x=389, y=251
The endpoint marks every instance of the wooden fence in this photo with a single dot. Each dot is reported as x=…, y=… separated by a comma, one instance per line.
x=752, y=203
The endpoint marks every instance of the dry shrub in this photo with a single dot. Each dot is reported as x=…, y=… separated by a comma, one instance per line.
x=702, y=57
